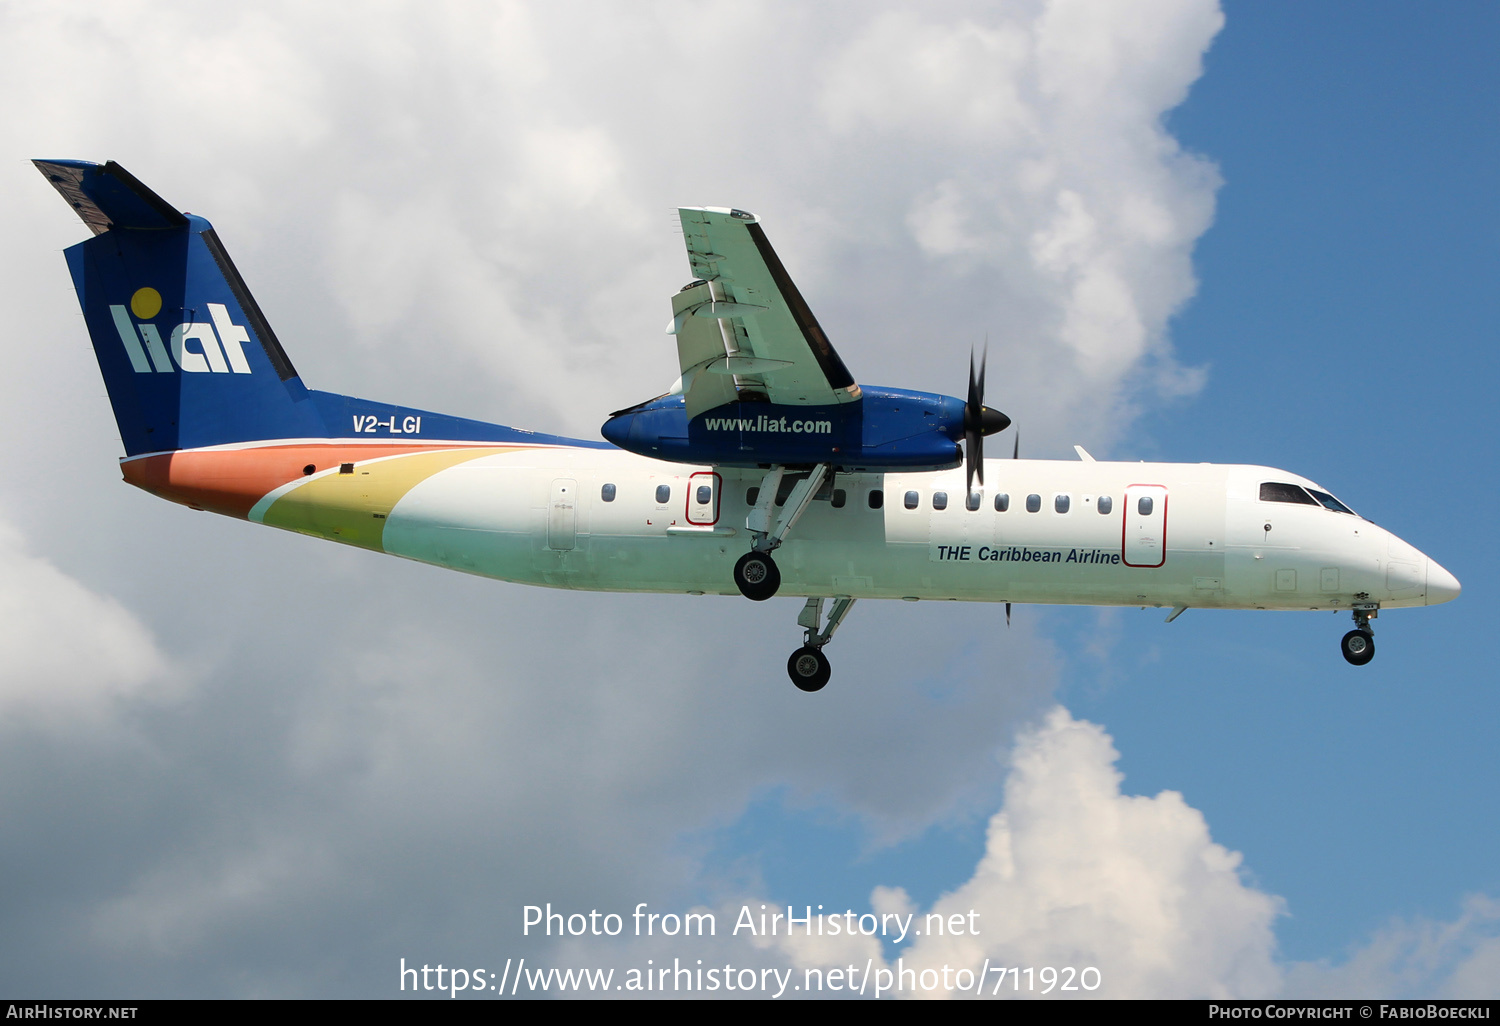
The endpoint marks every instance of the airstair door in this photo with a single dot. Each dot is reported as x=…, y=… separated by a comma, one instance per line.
x=562, y=510
x=703, y=498
x=1145, y=539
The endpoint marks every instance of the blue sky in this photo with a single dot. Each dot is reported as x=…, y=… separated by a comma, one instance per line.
x=1347, y=312
x=236, y=762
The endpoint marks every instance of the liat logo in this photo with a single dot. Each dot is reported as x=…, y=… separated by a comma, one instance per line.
x=195, y=346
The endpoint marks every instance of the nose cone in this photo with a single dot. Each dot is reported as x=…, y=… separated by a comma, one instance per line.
x=1441, y=585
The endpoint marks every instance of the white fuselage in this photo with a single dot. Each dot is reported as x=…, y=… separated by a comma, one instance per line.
x=1204, y=539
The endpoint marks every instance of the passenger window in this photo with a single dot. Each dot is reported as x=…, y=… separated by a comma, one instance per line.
x=1002, y=502
x=939, y=500
x=973, y=501
x=705, y=495
x=839, y=498
x=1144, y=506
x=1033, y=503
x=1062, y=502
x=1106, y=504
x=751, y=495
x=877, y=498
x=911, y=500
x=607, y=493
x=663, y=494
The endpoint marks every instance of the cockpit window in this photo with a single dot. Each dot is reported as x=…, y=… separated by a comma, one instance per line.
x=1332, y=503
x=1273, y=491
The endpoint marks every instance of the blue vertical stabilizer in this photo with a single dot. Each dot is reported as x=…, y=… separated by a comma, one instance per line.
x=186, y=354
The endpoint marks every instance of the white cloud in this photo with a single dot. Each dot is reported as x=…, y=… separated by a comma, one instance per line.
x=934, y=78
x=1414, y=959
x=67, y=653
x=1049, y=206
x=494, y=186
x=1077, y=873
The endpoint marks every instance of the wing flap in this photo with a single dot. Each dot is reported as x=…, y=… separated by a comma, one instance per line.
x=700, y=347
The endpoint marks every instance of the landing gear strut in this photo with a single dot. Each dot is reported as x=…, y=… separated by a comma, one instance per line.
x=1359, y=644
x=756, y=574
x=808, y=666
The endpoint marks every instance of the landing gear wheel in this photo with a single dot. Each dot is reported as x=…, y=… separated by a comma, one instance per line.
x=1358, y=647
x=808, y=667
x=756, y=576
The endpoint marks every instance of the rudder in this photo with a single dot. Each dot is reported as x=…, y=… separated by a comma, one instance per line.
x=186, y=354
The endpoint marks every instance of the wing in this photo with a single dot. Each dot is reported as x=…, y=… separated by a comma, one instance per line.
x=743, y=328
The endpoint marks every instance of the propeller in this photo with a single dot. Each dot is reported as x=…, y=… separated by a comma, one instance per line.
x=979, y=420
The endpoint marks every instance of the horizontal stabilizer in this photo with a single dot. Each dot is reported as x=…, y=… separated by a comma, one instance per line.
x=107, y=196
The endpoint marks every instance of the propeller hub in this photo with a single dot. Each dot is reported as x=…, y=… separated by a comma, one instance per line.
x=990, y=422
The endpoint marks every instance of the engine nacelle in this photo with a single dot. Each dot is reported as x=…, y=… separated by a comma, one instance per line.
x=887, y=429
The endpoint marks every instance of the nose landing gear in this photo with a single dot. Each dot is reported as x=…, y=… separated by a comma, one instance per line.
x=808, y=666
x=1358, y=645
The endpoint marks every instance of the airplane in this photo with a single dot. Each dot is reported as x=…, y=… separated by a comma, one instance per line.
x=766, y=469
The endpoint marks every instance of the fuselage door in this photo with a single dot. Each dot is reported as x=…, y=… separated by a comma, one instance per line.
x=703, y=498
x=1144, y=542
x=561, y=510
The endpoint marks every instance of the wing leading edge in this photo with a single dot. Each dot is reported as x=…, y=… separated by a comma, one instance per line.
x=743, y=330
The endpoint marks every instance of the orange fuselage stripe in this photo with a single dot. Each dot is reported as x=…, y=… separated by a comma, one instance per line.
x=232, y=481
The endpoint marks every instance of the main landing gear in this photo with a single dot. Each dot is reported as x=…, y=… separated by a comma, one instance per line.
x=808, y=666
x=756, y=574
x=1359, y=644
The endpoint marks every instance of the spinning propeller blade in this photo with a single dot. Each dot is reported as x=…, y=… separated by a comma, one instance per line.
x=979, y=420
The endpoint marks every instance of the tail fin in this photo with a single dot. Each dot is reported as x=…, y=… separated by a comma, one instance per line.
x=186, y=354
